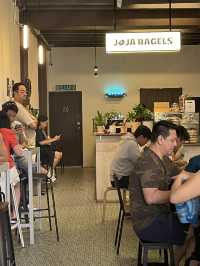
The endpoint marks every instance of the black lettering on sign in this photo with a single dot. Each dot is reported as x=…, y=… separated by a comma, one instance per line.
x=159, y=41
x=122, y=42
x=170, y=40
x=147, y=42
x=115, y=44
x=153, y=41
x=140, y=41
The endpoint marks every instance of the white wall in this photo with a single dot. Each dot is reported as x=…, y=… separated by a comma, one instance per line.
x=33, y=70
x=10, y=52
x=133, y=71
x=9, y=47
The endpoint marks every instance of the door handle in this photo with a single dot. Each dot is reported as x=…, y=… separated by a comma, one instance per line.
x=78, y=123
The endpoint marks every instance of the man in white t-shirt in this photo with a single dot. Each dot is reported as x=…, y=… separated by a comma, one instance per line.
x=23, y=115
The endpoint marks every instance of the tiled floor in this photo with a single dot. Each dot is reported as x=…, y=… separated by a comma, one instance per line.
x=84, y=240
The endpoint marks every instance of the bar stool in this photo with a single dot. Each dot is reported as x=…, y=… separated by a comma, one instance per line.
x=7, y=257
x=39, y=178
x=105, y=201
x=122, y=214
x=6, y=188
x=144, y=247
x=49, y=186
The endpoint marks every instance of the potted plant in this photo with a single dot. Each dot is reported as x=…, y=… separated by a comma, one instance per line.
x=143, y=115
x=99, y=121
x=111, y=118
x=129, y=121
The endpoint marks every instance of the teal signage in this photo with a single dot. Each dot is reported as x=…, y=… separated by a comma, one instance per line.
x=115, y=91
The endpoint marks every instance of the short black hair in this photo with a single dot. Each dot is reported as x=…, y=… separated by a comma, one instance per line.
x=15, y=87
x=4, y=120
x=162, y=128
x=182, y=133
x=10, y=105
x=143, y=131
x=42, y=118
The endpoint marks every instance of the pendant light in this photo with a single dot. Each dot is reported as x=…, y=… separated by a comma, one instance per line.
x=96, y=69
x=95, y=62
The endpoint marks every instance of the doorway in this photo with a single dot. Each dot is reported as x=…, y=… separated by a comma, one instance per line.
x=65, y=116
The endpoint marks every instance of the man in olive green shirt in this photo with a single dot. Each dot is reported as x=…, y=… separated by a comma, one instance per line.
x=149, y=191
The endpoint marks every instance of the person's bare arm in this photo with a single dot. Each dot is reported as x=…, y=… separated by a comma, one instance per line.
x=155, y=196
x=33, y=125
x=3, y=151
x=49, y=140
x=18, y=150
x=181, y=192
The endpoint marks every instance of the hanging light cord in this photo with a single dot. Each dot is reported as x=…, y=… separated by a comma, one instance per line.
x=95, y=55
x=114, y=14
x=170, y=15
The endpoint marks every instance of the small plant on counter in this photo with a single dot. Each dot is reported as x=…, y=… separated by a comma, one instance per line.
x=112, y=115
x=141, y=113
x=130, y=117
x=99, y=122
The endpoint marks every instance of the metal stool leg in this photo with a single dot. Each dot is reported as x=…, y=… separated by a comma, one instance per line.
x=145, y=256
x=139, y=260
x=172, y=260
x=48, y=206
x=17, y=216
x=104, y=203
x=166, y=257
x=118, y=224
x=120, y=233
x=54, y=210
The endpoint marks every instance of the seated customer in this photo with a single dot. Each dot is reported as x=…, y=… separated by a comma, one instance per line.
x=125, y=158
x=150, y=195
x=178, y=154
x=11, y=109
x=48, y=153
x=11, y=144
x=183, y=190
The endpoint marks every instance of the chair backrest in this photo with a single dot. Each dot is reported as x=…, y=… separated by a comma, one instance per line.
x=117, y=185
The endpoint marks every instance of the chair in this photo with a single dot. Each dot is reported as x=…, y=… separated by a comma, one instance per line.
x=105, y=201
x=144, y=247
x=7, y=257
x=122, y=214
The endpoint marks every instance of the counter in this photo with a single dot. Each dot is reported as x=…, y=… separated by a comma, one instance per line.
x=106, y=147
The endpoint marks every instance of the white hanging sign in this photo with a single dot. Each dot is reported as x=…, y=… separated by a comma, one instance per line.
x=143, y=42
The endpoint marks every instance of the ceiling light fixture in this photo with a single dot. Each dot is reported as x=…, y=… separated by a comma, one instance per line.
x=25, y=36
x=41, y=55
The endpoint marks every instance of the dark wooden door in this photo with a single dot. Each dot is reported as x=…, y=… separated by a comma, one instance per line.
x=65, y=115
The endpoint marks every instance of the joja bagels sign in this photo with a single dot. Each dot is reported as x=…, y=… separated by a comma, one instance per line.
x=143, y=42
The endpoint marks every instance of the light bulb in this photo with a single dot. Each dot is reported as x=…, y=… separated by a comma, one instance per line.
x=96, y=70
x=25, y=37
